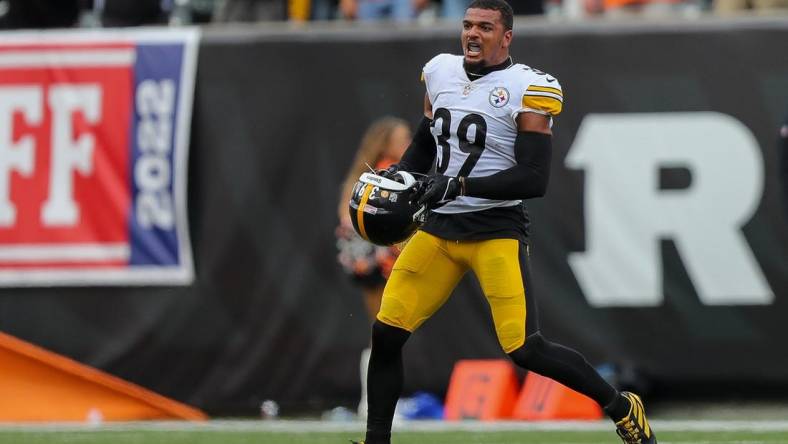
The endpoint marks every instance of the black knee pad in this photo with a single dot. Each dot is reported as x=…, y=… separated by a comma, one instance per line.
x=534, y=344
x=386, y=338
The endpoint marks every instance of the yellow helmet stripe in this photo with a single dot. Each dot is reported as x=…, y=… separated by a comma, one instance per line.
x=360, y=211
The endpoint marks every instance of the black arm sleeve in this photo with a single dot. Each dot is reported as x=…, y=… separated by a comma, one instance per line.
x=525, y=180
x=421, y=152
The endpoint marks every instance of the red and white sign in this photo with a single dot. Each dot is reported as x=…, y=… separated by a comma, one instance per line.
x=93, y=148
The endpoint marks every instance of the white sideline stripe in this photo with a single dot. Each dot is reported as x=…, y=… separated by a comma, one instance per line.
x=79, y=275
x=26, y=253
x=67, y=57
x=711, y=442
x=288, y=426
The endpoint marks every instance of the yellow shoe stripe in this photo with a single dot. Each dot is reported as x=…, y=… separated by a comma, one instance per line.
x=640, y=414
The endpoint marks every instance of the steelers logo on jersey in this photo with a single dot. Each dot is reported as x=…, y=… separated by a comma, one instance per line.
x=499, y=97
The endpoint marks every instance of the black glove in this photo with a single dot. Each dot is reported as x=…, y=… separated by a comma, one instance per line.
x=438, y=191
x=417, y=190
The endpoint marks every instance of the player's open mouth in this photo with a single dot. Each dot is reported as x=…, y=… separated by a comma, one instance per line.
x=473, y=49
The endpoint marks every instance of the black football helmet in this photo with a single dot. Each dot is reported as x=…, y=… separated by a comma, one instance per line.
x=381, y=210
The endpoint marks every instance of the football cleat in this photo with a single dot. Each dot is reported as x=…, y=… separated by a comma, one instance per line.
x=634, y=428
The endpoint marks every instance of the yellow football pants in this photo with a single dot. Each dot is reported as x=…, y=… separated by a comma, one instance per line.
x=429, y=268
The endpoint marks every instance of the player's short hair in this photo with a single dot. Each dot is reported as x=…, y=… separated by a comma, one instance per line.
x=502, y=6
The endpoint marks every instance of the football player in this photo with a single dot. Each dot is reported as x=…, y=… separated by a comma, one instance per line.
x=487, y=129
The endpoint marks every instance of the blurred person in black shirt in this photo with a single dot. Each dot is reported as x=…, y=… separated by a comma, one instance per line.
x=233, y=11
x=527, y=7
x=456, y=8
x=39, y=14
x=120, y=13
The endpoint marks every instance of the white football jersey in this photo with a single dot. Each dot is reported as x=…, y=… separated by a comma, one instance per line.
x=474, y=123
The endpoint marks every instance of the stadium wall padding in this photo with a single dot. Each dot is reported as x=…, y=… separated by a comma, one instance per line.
x=278, y=114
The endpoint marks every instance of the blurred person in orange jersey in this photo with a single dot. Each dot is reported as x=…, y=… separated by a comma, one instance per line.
x=648, y=8
x=369, y=265
x=370, y=10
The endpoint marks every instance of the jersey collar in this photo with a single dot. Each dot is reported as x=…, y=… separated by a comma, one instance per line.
x=479, y=73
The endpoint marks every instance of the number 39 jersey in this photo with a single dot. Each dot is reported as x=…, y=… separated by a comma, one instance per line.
x=474, y=122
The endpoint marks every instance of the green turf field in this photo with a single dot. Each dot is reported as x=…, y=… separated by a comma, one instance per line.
x=227, y=437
